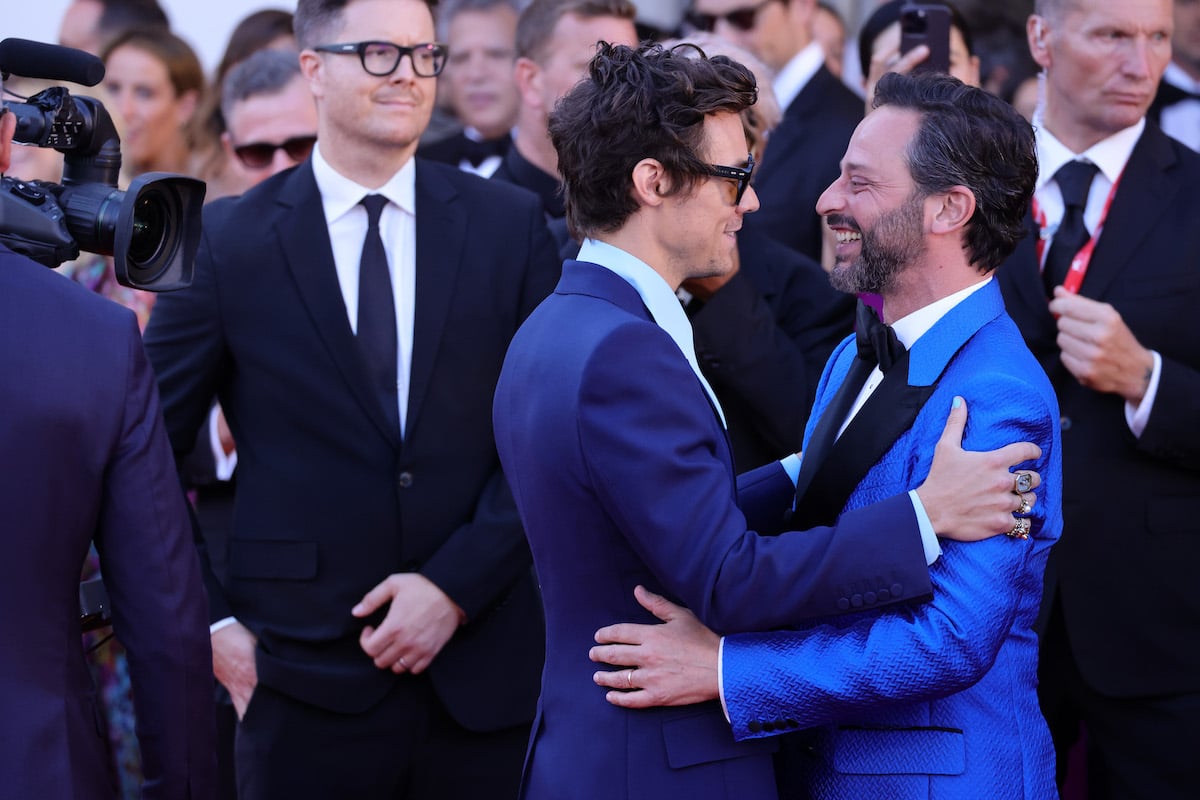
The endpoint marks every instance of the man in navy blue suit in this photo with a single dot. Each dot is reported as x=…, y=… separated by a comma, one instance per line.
x=615, y=446
x=375, y=618
x=88, y=459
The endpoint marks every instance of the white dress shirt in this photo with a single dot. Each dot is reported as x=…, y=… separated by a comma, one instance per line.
x=1182, y=120
x=1110, y=156
x=797, y=72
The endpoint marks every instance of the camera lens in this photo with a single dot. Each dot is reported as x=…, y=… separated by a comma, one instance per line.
x=151, y=221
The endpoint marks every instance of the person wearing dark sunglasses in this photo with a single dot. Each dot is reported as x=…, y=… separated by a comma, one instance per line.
x=820, y=112
x=376, y=621
x=270, y=117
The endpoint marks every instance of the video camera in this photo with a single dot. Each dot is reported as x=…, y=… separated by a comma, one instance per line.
x=152, y=230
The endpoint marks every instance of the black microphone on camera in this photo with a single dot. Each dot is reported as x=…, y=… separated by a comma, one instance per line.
x=49, y=62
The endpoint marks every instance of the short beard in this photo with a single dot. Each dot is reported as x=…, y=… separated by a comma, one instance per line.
x=895, y=242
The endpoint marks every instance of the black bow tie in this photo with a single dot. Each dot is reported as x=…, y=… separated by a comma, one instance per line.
x=877, y=343
x=478, y=152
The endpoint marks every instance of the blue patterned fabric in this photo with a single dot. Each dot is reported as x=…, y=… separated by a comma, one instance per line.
x=935, y=700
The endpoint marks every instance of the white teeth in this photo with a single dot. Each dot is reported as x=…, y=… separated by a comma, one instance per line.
x=845, y=237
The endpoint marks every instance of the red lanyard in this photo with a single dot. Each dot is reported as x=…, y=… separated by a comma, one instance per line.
x=1082, y=259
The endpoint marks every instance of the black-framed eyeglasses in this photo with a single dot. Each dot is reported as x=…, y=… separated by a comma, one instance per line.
x=257, y=155
x=738, y=174
x=741, y=18
x=381, y=58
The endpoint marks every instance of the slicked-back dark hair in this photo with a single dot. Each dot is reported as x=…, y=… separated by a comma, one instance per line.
x=969, y=137
x=314, y=19
x=634, y=104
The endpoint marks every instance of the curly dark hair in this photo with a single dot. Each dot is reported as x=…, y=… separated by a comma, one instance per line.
x=647, y=102
x=969, y=137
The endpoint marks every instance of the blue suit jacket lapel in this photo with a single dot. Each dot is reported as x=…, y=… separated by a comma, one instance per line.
x=892, y=408
x=304, y=240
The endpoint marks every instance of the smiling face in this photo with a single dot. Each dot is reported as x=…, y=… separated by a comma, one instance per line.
x=369, y=125
x=140, y=91
x=700, y=230
x=479, y=74
x=1103, y=61
x=873, y=207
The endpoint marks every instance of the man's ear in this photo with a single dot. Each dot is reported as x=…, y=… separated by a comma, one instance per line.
x=8, y=126
x=952, y=210
x=1035, y=31
x=528, y=77
x=650, y=183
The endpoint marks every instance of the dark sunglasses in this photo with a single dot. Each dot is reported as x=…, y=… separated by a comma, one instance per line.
x=742, y=176
x=741, y=18
x=258, y=155
x=382, y=58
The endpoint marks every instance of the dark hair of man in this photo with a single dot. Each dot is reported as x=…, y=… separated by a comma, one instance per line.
x=118, y=16
x=315, y=20
x=537, y=22
x=448, y=10
x=266, y=72
x=636, y=104
x=886, y=14
x=969, y=137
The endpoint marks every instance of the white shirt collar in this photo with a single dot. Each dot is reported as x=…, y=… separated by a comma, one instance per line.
x=912, y=327
x=658, y=297
x=339, y=194
x=1110, y=154
x=1175, y=76
x=797, y=72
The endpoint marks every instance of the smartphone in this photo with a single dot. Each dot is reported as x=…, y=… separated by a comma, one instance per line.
x=928, y=25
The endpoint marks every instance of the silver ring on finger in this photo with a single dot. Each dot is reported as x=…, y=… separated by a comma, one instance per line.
x=1022, y=482
x=403, y=664
x=629, y=678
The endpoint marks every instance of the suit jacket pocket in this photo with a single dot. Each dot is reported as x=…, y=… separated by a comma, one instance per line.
x=706, y=737
x=269, y=559
x=898, y=751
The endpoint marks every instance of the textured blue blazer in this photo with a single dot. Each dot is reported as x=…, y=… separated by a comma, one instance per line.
x=935, y=700
x=622, y=475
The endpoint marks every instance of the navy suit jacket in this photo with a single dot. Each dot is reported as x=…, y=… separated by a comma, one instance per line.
x=802, y=159
x=939, y=700
x=330, y=500
x=89, y=459
x=1124, y=567
x=622, y=474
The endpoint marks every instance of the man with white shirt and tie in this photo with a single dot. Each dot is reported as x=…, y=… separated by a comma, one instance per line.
x=1121, y=646
x=351, y=314
x=615, y=447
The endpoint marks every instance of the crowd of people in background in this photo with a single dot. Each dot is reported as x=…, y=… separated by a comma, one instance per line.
x=371, y=592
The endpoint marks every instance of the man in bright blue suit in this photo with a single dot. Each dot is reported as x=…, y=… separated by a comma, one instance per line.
x=933, y=700
x=616, y=453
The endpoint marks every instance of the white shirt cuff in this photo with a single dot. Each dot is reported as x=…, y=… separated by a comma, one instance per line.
x=223, y=465
x=221, y=623
x=1136, y=417
x=721, y=677
x=929, y=540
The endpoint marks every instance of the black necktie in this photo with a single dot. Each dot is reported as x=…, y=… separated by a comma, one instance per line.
x=877, y=343
x=377, y=311
x=478, y=152
x=1074, y=179
x=1169, y=94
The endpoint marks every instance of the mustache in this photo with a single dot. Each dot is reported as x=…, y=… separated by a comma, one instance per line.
x=842, y=221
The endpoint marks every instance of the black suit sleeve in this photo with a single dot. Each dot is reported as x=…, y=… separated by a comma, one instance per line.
x=1171, y=433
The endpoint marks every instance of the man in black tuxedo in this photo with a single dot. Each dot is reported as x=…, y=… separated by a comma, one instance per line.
x=478, y=82
x=1121, y=650
x=819, y=112
x=1176, y=107
x=377, y=624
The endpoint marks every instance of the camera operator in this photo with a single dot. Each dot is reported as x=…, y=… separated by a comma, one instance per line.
x=89, y=460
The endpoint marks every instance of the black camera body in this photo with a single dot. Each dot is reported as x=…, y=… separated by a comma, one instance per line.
x=152, y=230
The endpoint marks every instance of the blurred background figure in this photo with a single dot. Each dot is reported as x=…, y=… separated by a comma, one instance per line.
x=829, y=28
x=1176, y=107
x=90, y=24
x=154, y=82
x=555, y=41
x=477, y=83
x=268, y=29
